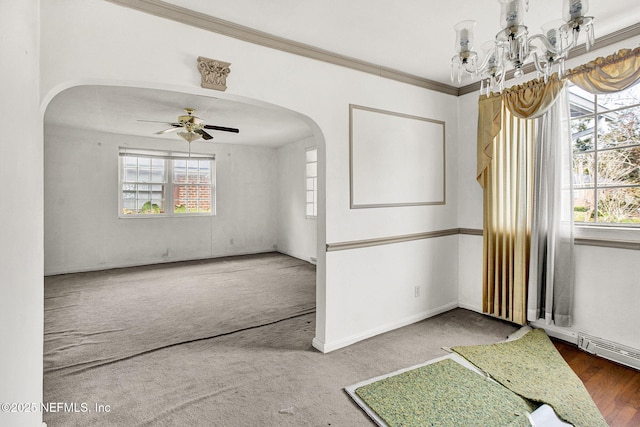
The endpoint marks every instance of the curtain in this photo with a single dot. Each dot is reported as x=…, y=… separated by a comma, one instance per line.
x=506, y=142
x=611, y=74
x=525, y=172
x=551, y=266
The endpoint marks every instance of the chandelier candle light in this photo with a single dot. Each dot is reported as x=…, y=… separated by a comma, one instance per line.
x=513, y=47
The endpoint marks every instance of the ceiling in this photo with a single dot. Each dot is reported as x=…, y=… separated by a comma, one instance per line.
x=136, y=111
x=410, y=36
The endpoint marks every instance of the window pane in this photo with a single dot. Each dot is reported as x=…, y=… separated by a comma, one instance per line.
x=151, y=207
x=144, y=175
x=192, y=171
x=625, y=98
x=619, y=167
x=192, y=199
x=312, y=169
x=582, y=102
x=180, y=171
x=144, y=162
x=583, y=205
x=312, y=155
x=130, y=161
x=583, y=170
x=619, y=205
x=157, y=175
x=205, y=172
x=619, y=128
x=142, y=199
x=131, y=175
x=311, y=173
x=582, y=131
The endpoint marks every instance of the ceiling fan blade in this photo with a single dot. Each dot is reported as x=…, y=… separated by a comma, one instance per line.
x=155, y=121
x=224, y=129
x=162, y=132
x=204, y=134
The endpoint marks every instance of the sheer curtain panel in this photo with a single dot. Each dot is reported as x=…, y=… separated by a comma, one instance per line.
x=552, y=267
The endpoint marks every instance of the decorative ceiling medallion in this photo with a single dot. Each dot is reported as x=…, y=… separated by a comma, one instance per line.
x=214, y=73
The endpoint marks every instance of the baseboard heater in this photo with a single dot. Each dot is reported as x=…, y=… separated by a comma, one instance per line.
x=609, y=350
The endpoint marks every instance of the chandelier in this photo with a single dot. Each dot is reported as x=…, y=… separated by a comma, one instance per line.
x=513, y=47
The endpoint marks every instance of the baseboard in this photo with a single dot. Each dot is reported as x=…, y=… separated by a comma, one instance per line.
x=470, y=307
x=556, y=332
x=326, y=347
x=142, y=263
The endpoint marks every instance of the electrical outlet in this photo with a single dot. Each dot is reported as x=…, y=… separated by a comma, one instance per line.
x=417, y=291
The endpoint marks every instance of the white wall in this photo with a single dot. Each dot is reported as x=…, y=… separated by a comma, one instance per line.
x=297, y=234
x=607, y=289
x=608, y=294
x=378, y=286
x=21, y=254
x=82, y=228
x=469, y=206
x=75, y=50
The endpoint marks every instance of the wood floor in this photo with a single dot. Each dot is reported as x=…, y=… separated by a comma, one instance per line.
x=614, y=388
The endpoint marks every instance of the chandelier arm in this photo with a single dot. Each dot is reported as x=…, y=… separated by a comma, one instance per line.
x=485, y=61
x=536, y=62
x=550, y=47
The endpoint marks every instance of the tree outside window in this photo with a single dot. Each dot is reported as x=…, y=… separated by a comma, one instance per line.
x=606, y=157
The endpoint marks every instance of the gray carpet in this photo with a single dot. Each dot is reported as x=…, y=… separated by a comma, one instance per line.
x=258, y=376
x=147, y=308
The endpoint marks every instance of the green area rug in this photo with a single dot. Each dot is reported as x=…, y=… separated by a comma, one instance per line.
x=532, y=367
x=445, y=394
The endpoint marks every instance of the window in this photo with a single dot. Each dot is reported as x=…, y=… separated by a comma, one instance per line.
x=312, y=182
x=606, y=157
x=156, y=183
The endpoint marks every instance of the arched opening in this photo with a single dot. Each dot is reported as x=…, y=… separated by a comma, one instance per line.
x=86, y=127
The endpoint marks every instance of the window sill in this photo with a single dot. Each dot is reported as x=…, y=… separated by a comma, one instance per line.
x=611, y=237
x=190, y=215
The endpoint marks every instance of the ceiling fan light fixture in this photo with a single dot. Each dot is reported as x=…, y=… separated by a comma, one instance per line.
x=189, y=136
x=191, y=128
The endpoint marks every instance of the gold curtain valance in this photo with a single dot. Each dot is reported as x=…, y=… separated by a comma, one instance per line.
x=526, y=101
x=611, y=74
x=489, y=125
x=532, y=99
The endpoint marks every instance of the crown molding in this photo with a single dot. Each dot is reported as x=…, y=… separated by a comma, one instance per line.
x=220, y=26
x=226, y=28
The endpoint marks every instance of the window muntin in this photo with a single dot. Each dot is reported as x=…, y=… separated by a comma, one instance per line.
x=606, y=157
x=311, y=182
x=154, y=183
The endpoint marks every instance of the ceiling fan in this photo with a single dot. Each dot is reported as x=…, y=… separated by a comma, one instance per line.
x=191, y=127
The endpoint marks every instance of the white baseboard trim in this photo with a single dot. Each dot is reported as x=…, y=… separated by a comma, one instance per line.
x=326, y=347
x=471, y=307
x=563, y=334
x=143, y=263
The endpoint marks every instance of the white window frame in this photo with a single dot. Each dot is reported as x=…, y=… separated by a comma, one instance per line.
x=600, y=231
x=311, y=182
x=168, y=182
